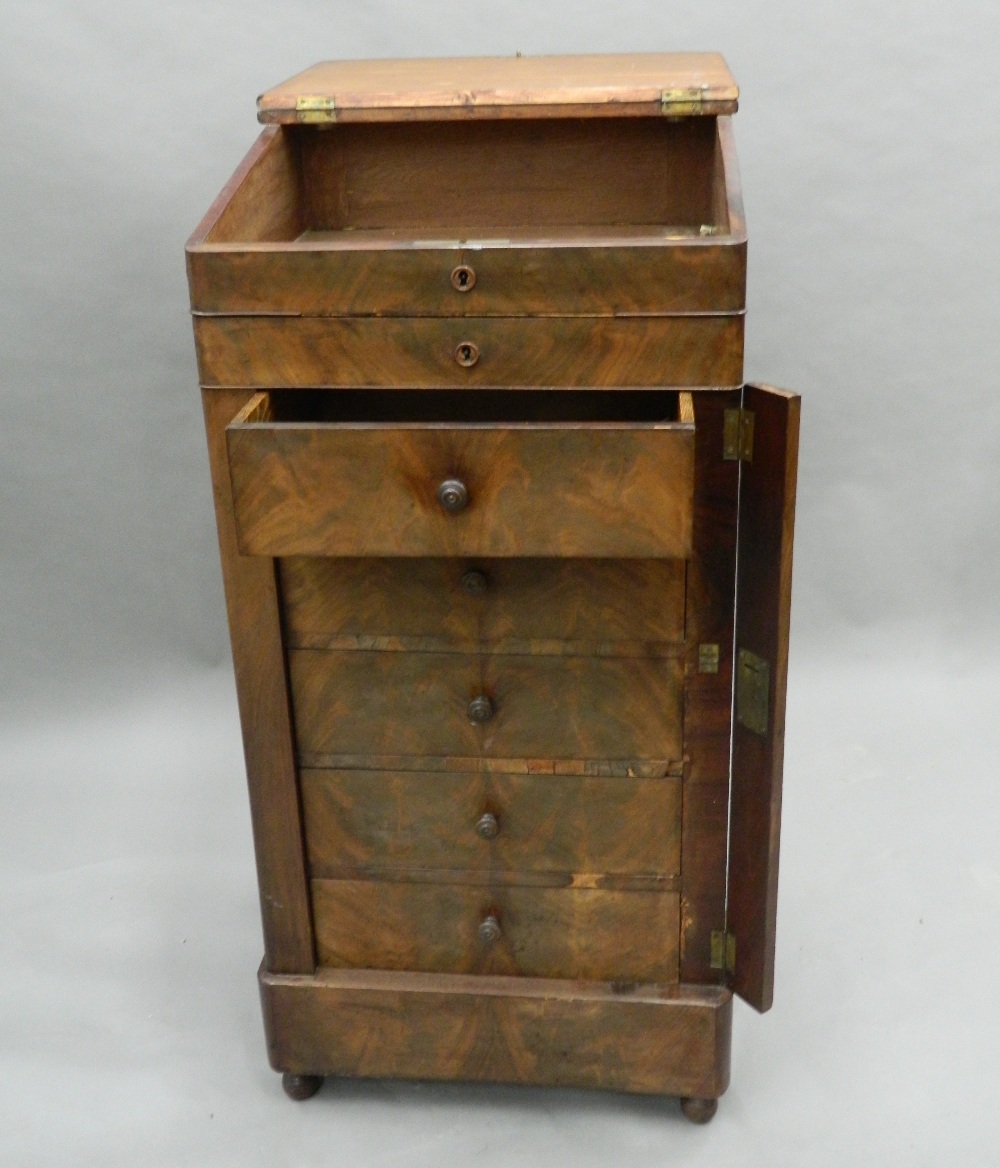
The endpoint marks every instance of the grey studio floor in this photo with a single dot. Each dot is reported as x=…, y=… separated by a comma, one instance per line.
x=129, y=1016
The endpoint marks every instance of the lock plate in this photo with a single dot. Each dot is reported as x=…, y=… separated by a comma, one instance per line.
x=753, y=685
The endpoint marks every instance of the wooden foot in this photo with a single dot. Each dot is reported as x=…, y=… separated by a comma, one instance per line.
x=301, y=1086
x=699, y=1110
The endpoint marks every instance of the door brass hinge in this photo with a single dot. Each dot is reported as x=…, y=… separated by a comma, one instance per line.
x=753, y=684
x=737, y=435
x=723, y=951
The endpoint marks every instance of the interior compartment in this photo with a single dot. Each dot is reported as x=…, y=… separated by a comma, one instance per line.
x=453, y=407
x=357, y=184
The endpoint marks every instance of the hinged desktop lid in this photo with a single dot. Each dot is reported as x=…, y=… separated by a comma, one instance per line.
x=629, y=84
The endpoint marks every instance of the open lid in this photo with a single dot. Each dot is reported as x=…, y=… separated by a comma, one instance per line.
x=627, y=84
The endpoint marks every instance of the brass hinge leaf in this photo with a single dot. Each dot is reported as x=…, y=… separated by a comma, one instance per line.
x=685, y=101
x=708, y=658
x=737, y=435
x=723, y=954
x=316, y=109
x=753, y=686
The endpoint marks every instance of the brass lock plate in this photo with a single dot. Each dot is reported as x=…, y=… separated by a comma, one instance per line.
x=753, y=685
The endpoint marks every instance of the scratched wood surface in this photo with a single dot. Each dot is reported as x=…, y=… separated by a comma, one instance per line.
x=631, y=606
x=538, y=489
x=416, y=704
x=664, y=1040
x=589, y=933
x=544, y=823
x=767, y=525
x=592, y=84
x=421, y=352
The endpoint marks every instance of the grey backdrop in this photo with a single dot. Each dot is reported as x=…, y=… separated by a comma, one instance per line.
x=128, y=1019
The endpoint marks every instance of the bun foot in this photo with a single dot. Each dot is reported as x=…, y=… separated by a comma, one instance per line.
x=699, y=1110
x=301, y=1086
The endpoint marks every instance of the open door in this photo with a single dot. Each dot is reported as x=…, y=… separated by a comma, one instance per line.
x=763, y=598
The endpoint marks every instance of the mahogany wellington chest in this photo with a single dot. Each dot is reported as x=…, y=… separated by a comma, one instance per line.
x=507, y=555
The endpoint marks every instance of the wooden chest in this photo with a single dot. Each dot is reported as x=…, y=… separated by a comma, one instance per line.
x=507, y=555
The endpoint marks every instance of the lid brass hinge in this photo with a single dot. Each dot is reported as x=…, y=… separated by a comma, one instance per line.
x=737, y=435
x=316, y=109
x=683, y=102
x=723, y=951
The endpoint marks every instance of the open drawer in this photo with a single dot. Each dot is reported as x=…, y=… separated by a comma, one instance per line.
x=479, y=218
x=445, y=473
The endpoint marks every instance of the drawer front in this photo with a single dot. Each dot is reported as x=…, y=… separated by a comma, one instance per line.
x=587, y=933
x=539, y=707
x=370, y=820
x=423, y=353
x=329, y=277
x=547, y=605
x=354, y=490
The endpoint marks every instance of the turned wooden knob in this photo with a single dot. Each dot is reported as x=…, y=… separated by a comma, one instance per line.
x=466, y=354
x=453, y=495
x=489, y=930
x=474, y=583
x=487, y=826
x=463, y=278
x=480, y=709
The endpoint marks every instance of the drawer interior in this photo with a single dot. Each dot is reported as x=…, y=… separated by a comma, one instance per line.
x=490, y=181
x=460, y=407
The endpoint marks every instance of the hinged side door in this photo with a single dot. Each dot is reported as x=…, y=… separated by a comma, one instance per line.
x=763, y=597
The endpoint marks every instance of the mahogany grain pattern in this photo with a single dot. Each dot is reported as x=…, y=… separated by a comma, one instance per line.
x=258, y=659
x=672, y=1040
x=555, y=824
x=708, y=696
x=591, y=933
x=764, y=592
x=391, y=274
x=419, y=352
x=633, y=606
x=503, y=87
x=356, y=489
x=416, y=704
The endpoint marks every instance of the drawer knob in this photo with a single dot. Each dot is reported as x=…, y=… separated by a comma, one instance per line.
x=463, y=278
x=480, y=709
x=489, y=930
x=487, y=826
x=474, y=583
x=453, y=495
x=466, y=354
